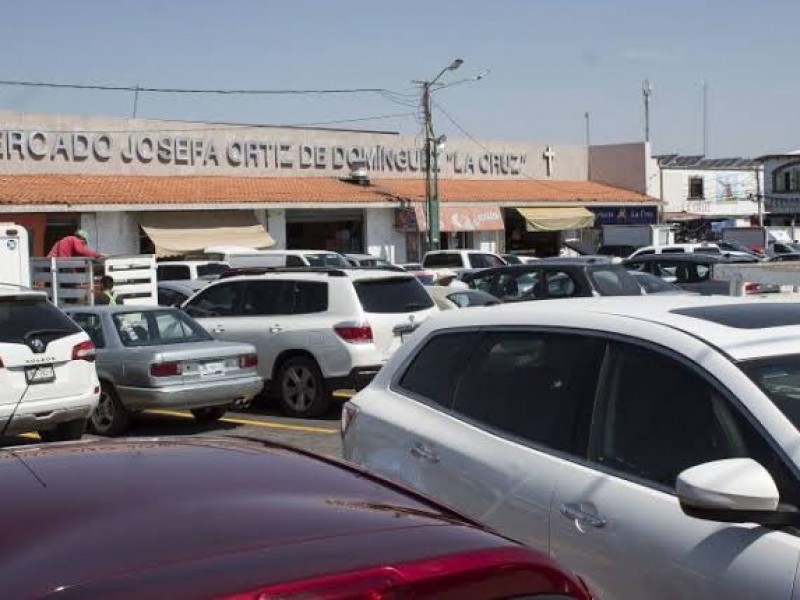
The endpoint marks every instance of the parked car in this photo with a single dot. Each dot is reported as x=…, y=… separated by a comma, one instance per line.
x=651, y=284
x=692, y=272
x=175, y=293
x=180, y=270
x=788, y=257
x=784, y=248
x=657, y=435
x=47, y=374
x=448, y=298
x=369, y=261
x=156, y=357
x=272, y=522
x=701, y=248
x=555, y=278
x=736, y=249
x=461, y=259
x=619, y=250
x=315, y=331
x=518, y=259
x=290, y=258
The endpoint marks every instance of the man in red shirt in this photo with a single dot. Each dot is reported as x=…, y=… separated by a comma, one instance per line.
x=72, y=246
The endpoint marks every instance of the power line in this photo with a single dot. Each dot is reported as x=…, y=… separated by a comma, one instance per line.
x=157, y=90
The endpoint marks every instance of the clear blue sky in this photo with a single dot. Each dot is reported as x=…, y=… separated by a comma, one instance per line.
x=550, y=60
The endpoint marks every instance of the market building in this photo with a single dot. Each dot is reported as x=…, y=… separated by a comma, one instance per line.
x=178, y=187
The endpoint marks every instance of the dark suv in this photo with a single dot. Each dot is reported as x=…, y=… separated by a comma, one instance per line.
x=693, y=272
x=555, y=278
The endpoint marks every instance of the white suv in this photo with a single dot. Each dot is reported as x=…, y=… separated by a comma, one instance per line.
x=315, y=331
x=461, y=259
x=650, y=444
x=48, y=381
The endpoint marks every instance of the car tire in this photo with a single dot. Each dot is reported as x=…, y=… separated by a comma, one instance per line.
x=301, y=388
x=209, y=414
x=110, y=418
x=65, y=432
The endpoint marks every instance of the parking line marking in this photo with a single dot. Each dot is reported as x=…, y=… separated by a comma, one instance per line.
x=253, y=422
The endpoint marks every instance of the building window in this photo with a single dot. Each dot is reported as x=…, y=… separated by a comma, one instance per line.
x=787, y=178
x=696, y=188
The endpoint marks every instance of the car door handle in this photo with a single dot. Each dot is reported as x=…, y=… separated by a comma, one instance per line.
x=275, y=329
x=218, y=329
x=424, y=452
x=574, y=512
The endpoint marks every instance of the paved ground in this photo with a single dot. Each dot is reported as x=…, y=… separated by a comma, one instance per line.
x=259, y=421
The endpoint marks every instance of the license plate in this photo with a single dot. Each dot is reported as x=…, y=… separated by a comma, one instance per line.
x=212, y=368
x=40, y=374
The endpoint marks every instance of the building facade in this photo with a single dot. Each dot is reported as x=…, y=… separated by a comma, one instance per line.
x=177, y=187
x=782, y=188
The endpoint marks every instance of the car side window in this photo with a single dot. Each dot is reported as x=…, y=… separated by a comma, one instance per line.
x=561, y=284
x=91, y=324
x=537, y=387
x=173, y=272
x=484, y=261
x=294, y=261
x=433, y=372
x=659, y=418
x=268, y=298
x=309, y=297
x=220, y=300
x=482, y=282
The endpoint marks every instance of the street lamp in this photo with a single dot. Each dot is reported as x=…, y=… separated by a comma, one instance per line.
x=431, y=158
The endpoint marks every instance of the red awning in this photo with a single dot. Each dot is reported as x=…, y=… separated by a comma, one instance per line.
x=485, y=217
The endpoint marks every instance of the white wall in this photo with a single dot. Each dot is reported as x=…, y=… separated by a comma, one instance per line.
x=381, y=239
x=112, y=232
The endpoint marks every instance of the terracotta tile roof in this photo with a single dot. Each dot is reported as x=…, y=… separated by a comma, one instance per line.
x=52, y=189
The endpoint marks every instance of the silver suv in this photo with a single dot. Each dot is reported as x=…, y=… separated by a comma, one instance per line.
x=315, y=331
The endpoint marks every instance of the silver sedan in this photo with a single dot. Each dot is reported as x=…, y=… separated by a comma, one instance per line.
x=156, y=357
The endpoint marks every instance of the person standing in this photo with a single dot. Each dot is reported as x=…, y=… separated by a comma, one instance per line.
x=73, y=246
x=107, y=294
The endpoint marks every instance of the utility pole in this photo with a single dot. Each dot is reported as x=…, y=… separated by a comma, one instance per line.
x=646, y=91
x=705, y=118
x=588, y=146
x=135, y=101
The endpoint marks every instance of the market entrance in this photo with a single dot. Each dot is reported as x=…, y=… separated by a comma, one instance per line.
x=338, y=230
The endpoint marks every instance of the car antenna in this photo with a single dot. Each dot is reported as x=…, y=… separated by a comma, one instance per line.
x=30, y=470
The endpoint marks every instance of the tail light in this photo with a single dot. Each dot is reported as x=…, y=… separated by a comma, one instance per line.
x=1, y=363
x=752, y=288
x=498, y=573
x=248, y=361
x=354, y=334
x=84, y=351
x=349, y=414
x=166, y=369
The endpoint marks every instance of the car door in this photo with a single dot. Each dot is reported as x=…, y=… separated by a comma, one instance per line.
x=520, y=411
x=616, y=520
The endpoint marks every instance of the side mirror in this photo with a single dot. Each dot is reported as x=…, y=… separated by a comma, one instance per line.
x=734, y=490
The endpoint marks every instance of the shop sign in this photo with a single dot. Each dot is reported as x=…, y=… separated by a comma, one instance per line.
x=451, y=218
x=271, y=154
x=630, y=215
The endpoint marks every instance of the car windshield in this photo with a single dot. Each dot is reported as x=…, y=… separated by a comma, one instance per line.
x=395, y=295
x=614, y=281
x=327, y=259
x=157, y=327
x=779, y=378
x=20, y=317
x=652, y=284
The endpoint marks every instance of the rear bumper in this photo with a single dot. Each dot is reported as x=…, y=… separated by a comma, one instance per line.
x=358, y=378
x=43, y=418
x=191, y=395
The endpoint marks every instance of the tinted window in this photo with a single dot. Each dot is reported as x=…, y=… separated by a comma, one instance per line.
x=173, y=272
x=211, y=269
x=396, y=295
x=512, y=285
x=707, y=250
x=469, y=298
x=611, y=281
x=445, y=259
x=561, y=284
x=512, y=260
x=310, y=297
x=90, y=323
x=645, y=252
x=294, y=261
x=652, y=284
x=171, y=297
x=482, y=282
x=672, y=251
x=156, y=327
x=268, y=298
x=537, y=387
x=484, y=261
x=662, y=418
x=435, y=369
x=20, y=317
x=216, y=301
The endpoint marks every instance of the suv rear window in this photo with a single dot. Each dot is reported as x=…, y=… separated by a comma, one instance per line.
x=395, y=295
x=19, y=317
x=172, y=272
x=442, y=260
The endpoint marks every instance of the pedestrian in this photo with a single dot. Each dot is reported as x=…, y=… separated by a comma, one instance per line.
x=73, y=246
x=449, y=278
x=107, y=294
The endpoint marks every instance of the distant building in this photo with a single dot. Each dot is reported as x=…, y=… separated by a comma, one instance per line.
x=781, y=187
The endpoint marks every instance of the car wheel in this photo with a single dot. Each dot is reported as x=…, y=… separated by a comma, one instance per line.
x=64, y=432
x=110, y=417
x=301, y=388
x=209, y=414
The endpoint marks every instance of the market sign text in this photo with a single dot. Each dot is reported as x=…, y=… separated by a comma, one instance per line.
x=177, y=149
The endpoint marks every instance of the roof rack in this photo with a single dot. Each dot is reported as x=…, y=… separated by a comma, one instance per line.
x=237, y=271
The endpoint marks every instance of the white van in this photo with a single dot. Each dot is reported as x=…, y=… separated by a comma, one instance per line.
x=15, y=268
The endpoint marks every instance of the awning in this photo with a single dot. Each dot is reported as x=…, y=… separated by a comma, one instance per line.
x=188, y=232
x=557, y=218
x=485, y=217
